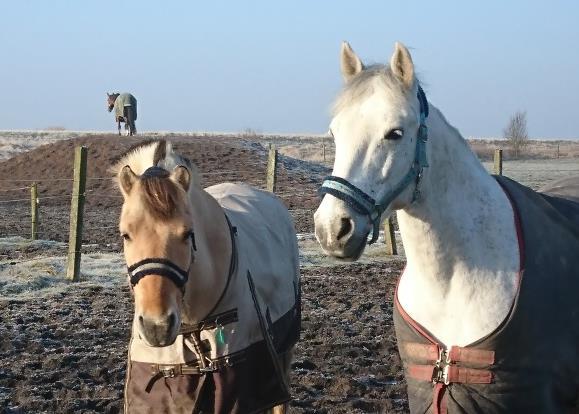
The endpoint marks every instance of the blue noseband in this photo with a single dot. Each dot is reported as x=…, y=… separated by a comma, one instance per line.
x=365, y=204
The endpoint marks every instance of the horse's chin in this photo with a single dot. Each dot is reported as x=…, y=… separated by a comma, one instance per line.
x=351, y=251
x=156, y=343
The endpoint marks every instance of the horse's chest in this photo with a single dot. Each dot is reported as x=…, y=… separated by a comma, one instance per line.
x=461, y=312
x=530, y=363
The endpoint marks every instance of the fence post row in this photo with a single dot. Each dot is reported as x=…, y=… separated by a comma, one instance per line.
x=498, y=162
x=389, y=237
x=271, y=183
x=76, y=214
x=33, y=211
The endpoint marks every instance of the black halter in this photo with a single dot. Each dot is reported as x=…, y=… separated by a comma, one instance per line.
x=162, y=267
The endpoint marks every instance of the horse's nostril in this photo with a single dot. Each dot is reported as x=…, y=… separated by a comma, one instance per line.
x=171, y=321
x=345, y=228
x=141, y=321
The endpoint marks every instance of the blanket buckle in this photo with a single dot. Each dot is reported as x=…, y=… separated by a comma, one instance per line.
x=441, y=368
x=210, y=367
x=167, y=372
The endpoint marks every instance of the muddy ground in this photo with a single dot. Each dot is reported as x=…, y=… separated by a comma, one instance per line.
x=64, y=350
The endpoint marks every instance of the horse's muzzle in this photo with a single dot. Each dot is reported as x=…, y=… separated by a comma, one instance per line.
x=158, y=333
x=340, y=232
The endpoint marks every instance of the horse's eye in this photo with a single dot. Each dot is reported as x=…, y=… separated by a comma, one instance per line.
x=394, y=134
x=187, y=235
x=126, y=236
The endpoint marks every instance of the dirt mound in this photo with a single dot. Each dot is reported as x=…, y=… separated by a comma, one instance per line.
x=219, y=159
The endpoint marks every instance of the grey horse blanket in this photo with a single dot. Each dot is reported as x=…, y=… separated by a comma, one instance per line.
x=229, y=363
x=122, y=101
x=530, y=364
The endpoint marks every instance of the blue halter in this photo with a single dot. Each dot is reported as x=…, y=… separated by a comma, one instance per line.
x=365, y=204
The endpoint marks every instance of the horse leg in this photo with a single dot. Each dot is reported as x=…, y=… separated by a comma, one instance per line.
x=119, y=126
x=130, y=118
x=285, y=361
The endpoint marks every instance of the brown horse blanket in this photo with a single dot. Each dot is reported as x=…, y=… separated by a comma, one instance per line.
x=122, y=101
x=530, y=364
x=229, y=363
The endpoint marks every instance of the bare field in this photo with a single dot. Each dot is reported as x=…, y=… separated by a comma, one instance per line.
x=63, y=345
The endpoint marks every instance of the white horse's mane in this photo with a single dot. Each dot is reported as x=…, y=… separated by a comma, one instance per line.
x=362, y=85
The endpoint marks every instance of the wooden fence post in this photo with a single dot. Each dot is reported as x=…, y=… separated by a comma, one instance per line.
x=498, y=165
x=271, y=183
x=33, y=211
x=76, y=210
x=389, y=237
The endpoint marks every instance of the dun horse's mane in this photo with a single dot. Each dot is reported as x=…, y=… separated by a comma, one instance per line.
x=160, y=195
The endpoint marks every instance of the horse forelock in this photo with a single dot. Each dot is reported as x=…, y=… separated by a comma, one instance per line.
x=160, y=196
x=362, y=85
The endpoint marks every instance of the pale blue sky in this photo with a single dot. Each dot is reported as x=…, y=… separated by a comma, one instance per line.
x=273, y=66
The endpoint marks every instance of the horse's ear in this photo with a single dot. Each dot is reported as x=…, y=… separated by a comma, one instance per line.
x=181, y=176
x=127, y=179
x=401, y=65
x=350, y=63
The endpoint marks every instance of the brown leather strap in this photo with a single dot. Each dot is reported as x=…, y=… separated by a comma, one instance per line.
x=455, y=374
x=420, y=372
x=428, y=352
x=464, y=375
x=439, y=399
x=471, y=355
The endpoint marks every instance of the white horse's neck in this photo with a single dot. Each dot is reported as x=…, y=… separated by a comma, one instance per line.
x=460, y=243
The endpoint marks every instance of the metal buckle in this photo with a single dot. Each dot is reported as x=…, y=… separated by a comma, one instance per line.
x=210, y=367
x=168, y=372
x=441, y=368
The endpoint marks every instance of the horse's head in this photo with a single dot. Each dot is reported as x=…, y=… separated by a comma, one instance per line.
x=111, y=98
x=375, y=127
x=159, y=246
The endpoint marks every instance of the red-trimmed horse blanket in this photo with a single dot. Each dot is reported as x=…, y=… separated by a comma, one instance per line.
x=530, y=364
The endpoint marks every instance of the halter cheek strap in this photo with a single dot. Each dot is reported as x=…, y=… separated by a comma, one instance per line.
x=363, y=203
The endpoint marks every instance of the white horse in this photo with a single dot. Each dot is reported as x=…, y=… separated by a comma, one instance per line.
x=394, y=151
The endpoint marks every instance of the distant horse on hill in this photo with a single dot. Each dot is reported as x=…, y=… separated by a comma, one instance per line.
x=125, y=106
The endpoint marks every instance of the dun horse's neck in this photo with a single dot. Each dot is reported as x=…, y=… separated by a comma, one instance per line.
x=209, y=272
x=460, y=243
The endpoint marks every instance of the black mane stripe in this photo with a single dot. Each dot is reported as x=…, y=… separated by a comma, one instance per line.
x=160, y=152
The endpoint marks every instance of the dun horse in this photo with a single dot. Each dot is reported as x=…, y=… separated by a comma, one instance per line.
x=486, y=311
x=215, y=278
x=125, y=106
